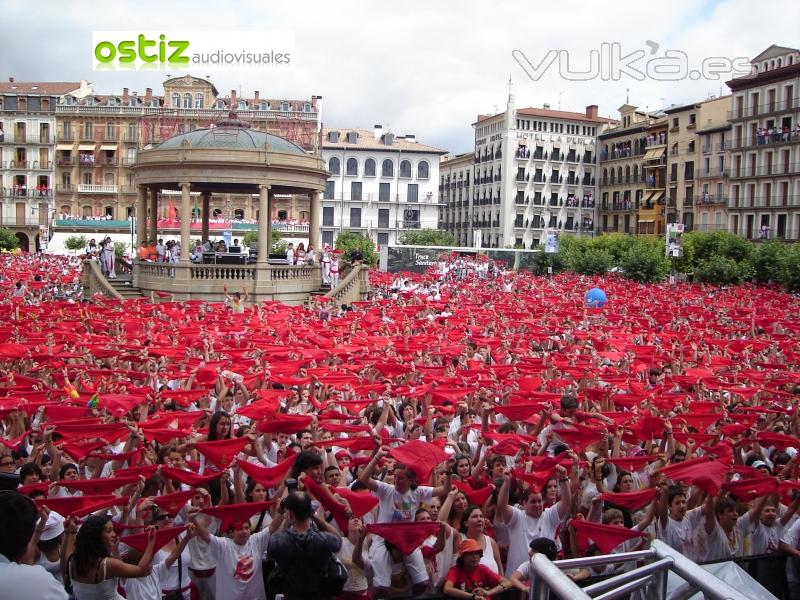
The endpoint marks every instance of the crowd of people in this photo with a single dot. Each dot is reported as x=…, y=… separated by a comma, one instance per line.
x=772, y=134
x=427, y=440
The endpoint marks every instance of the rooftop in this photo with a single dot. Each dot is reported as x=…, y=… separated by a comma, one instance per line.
x=234, y=135
x=366, y=140
x=50, y=88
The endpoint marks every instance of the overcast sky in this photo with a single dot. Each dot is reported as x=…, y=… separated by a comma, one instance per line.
x=426, y=68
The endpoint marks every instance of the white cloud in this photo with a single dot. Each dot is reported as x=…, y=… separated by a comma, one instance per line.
x=420, y=67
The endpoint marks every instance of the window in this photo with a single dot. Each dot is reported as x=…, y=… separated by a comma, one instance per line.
x=384, y=192
x=383, y=239
x=387, y=168
x=423, y=170
x=307, y=107
x=285, y=107
x=187, y=101
x=198, y=100
x=330, y=189
x=355, y=190
x=327, y=238
x=383, y=217
x=352, y=137
x=334, y=166
x=405, y=169
x=369, y=168
x=675, y=122
x=333, y=137
x=327, y=216
x=413, y=192
x=352, y=166
x=355, y=217
x=411, y=219
x=176, y=100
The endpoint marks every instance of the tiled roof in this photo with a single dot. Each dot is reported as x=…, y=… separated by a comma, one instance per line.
x=57, y=88
x=366, y=141
x=561, y=114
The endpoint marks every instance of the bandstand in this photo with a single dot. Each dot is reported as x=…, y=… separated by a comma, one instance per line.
x=227, y=158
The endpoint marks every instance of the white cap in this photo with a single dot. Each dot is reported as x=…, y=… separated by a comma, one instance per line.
x=53, y=528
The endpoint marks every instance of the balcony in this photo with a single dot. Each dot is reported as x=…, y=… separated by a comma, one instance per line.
x=65, y=161
x=12, y=137
x=87, y=135
x=764, y=140
x=108, y=161
x=19, y=165
x=767, y=171
x=706, y=149
x=66, y=136
x=709, y=200
x=65, y=188
x=26, y=192
x=713, y=174
x=89, y=188
x=763, y=109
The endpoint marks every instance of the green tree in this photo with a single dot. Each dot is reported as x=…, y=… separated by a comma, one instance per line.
x=8, y=241
x=119, y=249
x=428, y=237
x=541, y=260
x=592, y=261
x=791, y=278
x=645, y=261
x=278, y=244
x=770, y=261
x=75, y=243
x=347, y=241
x=721, y=270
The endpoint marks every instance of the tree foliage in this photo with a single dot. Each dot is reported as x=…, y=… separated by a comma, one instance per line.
x=8, y=241
x=75, y=242
x=428, y=237
x=347, y=241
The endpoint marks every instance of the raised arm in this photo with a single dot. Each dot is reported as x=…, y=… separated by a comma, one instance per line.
x=503, y=509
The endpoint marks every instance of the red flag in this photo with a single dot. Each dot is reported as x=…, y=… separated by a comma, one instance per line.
x=270, y=477
x=750, y=489
x=421, y=457
x=222, y=452
x=360, y=503
x=475, y=496
x=606, y=537
x=285, y=424
x=173, y=503
x=535, y=479
x=79, y=450
x=632, y=501
x=138, y=541
x=78, y=506
x=231, y=515
x=189, y=477
x=99, y=486
x=631, y=463
x=704, y=473
x=405, y=536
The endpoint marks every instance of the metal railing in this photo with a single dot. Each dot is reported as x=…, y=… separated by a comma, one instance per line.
x=763, y=109
x=13, y=137
x=547, y=576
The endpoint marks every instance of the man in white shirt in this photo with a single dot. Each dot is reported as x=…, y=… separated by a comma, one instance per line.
x=238, y=571
x=18, y=516
x=398, y=504
x=724, y=534
x=677, y=525
x=534, y=521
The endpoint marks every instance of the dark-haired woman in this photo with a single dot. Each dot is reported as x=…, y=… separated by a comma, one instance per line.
x=93, y=569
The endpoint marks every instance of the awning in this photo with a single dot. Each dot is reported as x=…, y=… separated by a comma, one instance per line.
x=63, y=146
x=654, y=153
x=651, y=196
x=108, y=147
x=646, y=220
x=85, y=146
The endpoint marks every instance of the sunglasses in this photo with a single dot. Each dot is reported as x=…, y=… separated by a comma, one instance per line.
x=163, y=517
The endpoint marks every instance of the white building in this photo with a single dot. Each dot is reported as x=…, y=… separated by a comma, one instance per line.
x=27, y=144
x=380, y=185
x=763, y=153
x=455, y=177
x=535, y=171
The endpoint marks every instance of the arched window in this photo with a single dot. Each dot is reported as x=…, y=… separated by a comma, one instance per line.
x=779, y=63
x=619, y=173
x=198, y=100
x=605, y=174
x=405, y=168
x=220, y=104
x=423, y=170
x=334, y=166
x=187, y=101
x=352, y=166
x=86, y=211
x=790, y=60
x=242, y=105
x=176, y=100
x=635, y=172
x=627, y=173
x=387, y=168
x=369, y=168
x=238, y=214
x=307, y=107
x=613, y=176
x=264, y=105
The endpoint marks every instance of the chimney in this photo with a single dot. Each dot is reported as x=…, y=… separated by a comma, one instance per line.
x=378, y=131
x=148, y=95
x=125, y=95
x=410, y=137
x=256, y=98
x=233, y=98
x=546, y=105
x=591, y=111
x=11, y=80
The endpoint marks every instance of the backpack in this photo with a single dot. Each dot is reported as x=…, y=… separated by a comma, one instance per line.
x=326, y=581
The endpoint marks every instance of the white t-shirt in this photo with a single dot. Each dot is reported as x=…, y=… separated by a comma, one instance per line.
x=394, y=506
x=239, y=567
x=792, y=538
x=717, y=545
x=522, y=529
x=765, y=539
x=29, y=581
x=681, y=534
x=148, y=587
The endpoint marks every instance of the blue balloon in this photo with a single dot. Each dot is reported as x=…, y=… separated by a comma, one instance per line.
x=595, y=298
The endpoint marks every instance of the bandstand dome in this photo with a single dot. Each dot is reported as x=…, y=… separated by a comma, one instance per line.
x=231, y=137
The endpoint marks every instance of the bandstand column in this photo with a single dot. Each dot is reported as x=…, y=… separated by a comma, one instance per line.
x=268, y=213
x=264, y=224
x=315, y=203
x=141, y=216
x=153, y=229
x=186, y=222
x=206, y=208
